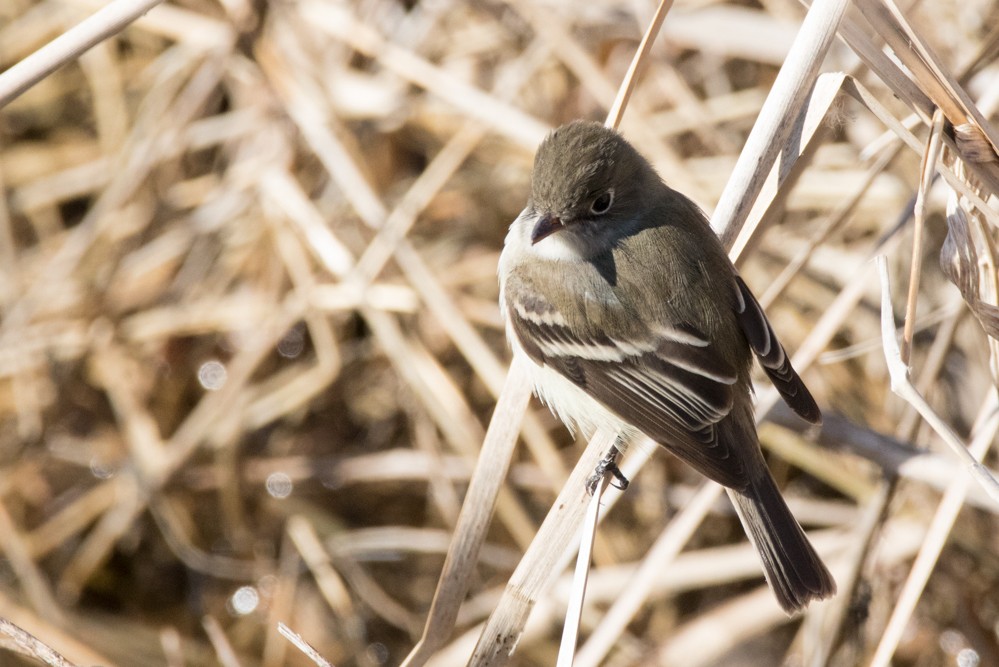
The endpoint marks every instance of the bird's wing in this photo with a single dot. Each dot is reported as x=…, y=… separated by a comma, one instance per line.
x=773, y=359
x=670, y=384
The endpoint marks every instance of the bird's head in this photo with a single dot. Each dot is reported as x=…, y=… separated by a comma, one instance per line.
x=587, y=181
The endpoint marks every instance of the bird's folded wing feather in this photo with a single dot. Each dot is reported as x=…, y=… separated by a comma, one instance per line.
x=771, y=355
x=669, y=384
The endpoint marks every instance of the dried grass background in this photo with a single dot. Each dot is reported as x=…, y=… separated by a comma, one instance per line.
x=250, y=344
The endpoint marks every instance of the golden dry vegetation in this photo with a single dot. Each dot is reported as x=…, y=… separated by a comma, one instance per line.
x=249, y=341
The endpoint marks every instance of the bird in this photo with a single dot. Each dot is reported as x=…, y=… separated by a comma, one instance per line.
x=629, y=316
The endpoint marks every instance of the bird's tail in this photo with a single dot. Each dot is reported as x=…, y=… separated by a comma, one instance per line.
x=794, y=571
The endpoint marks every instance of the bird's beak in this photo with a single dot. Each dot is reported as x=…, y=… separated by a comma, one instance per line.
x=546, y=226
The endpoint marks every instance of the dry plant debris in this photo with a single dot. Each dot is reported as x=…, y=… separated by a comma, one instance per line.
x=249, y=344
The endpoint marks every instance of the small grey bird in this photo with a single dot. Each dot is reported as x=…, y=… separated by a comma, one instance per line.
x=631, y=317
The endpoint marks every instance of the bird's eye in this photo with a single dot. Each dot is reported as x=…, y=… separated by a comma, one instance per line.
x=602, y=203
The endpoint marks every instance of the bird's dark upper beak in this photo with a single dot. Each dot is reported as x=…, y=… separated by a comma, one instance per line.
x=546, y=226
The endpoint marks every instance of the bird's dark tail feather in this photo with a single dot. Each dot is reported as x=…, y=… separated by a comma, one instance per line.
x=794, y=571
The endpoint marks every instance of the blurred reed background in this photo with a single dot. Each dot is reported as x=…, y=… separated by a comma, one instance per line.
x=250, y=344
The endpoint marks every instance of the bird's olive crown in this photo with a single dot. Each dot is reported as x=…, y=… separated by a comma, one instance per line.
x=583, y=170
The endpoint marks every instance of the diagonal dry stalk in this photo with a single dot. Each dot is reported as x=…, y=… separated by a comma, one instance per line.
x=953, y=500
x=110, y=20
x=30, y=645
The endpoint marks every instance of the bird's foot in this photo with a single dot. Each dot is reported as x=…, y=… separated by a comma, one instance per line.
x=607, y=466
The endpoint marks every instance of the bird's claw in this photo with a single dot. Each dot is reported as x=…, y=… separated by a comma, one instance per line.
x=607, y=466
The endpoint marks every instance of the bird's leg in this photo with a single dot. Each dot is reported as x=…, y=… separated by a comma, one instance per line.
x=608, y=466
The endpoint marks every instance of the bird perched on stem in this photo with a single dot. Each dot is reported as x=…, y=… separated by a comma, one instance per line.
x=631, y=317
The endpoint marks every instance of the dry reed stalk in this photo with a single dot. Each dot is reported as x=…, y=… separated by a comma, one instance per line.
x=943, y=519
x=28, y=644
